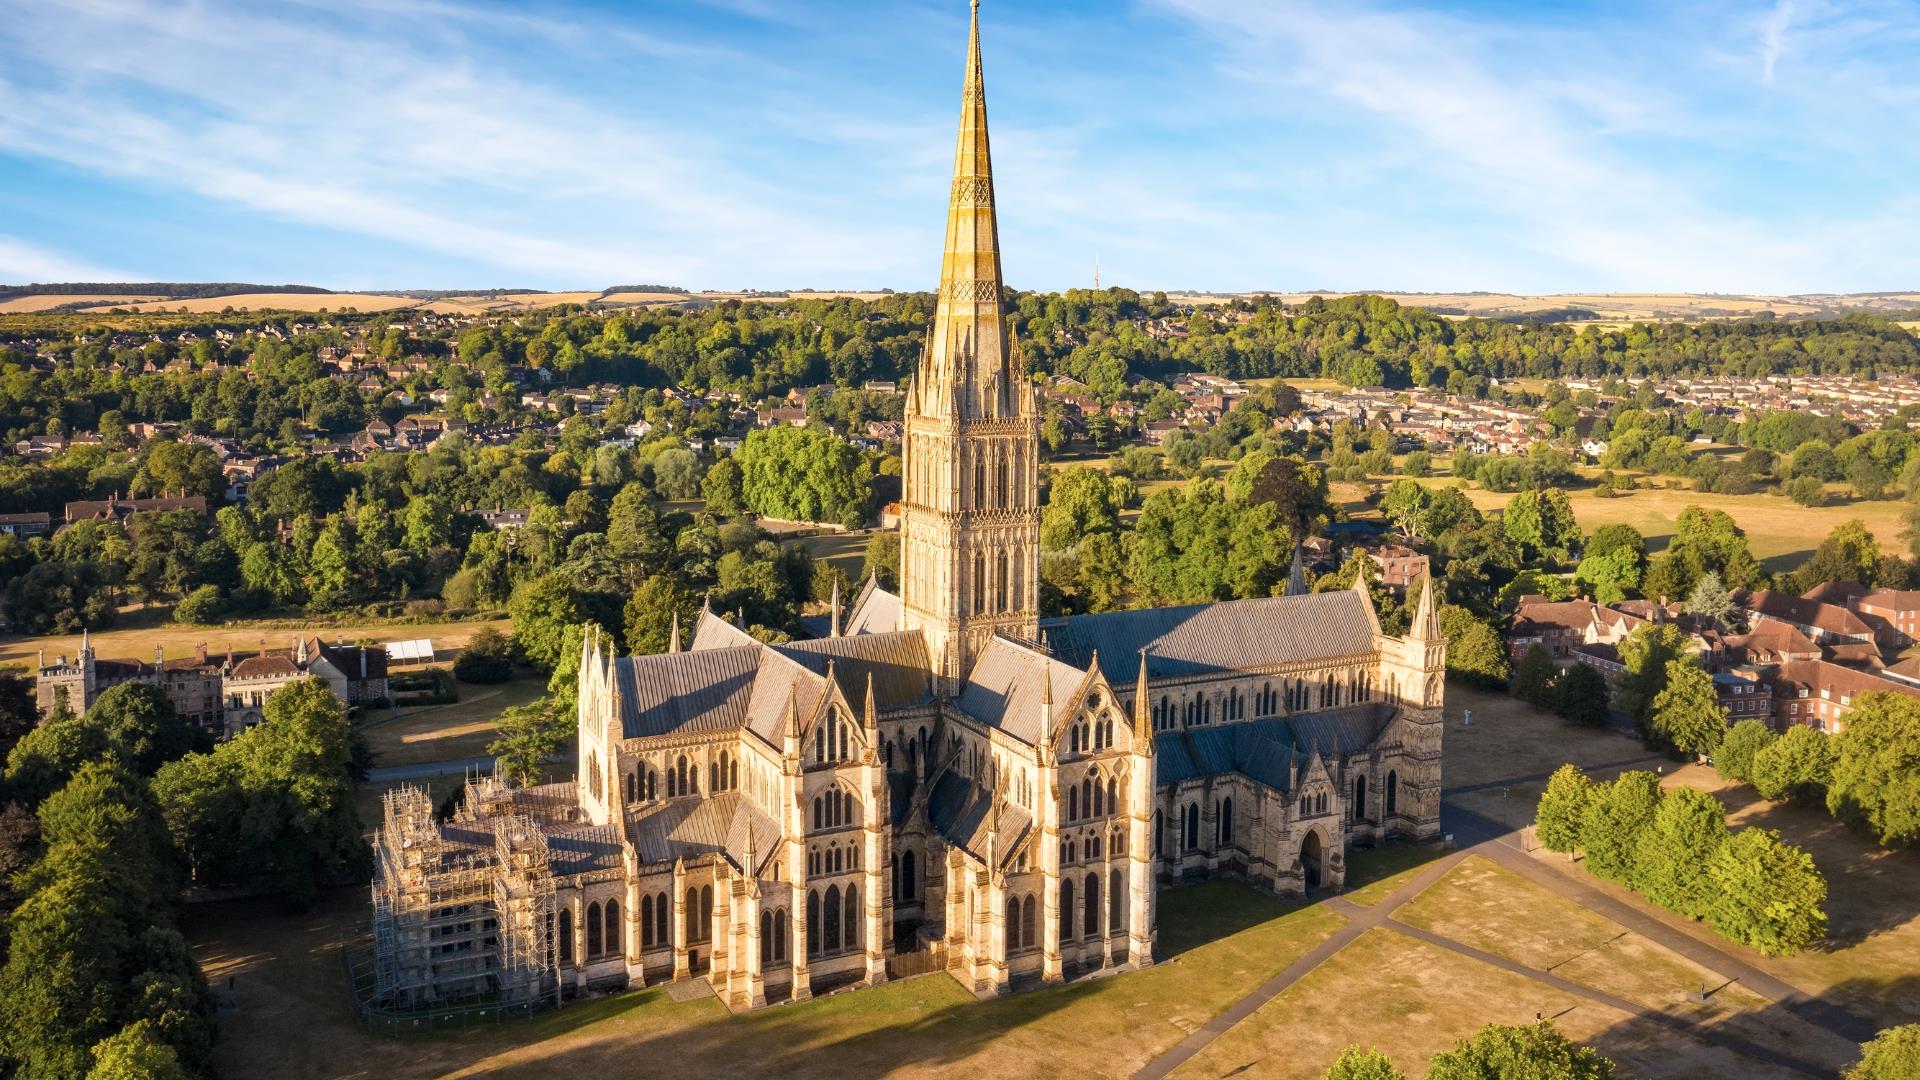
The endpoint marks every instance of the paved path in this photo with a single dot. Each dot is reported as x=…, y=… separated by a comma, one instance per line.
x=1493, y=839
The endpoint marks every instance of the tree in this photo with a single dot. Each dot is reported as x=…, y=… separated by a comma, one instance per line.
x=676, y=473
x=487, y=658
x=1894, y=1054
x=1474, y=649
x=1645, y=653
x=133, y=724
x=1299, y=491
x=1687, y=830
x=1797, y=766
x=1557, y=821
x=1082, y=501
x=1710, y=600
x=882, y=559
x=541, y=611
x=1405, y=505
x=722, y=488
x=1807, y=491
x=804, y=474
x=136, y=1052
x=1849, y=553
x=1583, y=697
x=203, y=606
x=1534, y=677
x=1357, y=1064
x=1542, y=523
x=1687, y=712
x=529, y=735
x=657, y=606
x=1767, y=894
x=1618, y=813
x=1745, y=740
x=1875, y=783
x=274, y=806
x=1534, y=1052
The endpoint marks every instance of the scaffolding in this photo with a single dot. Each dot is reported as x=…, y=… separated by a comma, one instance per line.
x=462, y=914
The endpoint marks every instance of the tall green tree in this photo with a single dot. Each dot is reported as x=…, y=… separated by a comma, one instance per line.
x=1645, y=654
x=1734, y=759
x=1584, y=698
x=1687, y=830
x=1542, y=523
x=1619, y=811
x=1474, y=649
x=1535, y=676
x=1875, y=779
x=1561, y=815
x=1768, y=895
x=1687, y=712
x=1797, y=766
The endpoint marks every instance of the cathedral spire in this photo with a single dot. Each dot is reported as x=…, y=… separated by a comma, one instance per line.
x=966, y=371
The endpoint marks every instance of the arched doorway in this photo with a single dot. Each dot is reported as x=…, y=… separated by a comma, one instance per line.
x=1310, y=859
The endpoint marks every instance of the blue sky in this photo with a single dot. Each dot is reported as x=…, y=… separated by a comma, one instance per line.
x=1206, y=144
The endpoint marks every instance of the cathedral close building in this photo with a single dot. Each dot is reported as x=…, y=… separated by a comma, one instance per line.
x=950, y=781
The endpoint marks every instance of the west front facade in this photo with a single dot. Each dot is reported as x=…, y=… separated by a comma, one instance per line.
x=947, y=781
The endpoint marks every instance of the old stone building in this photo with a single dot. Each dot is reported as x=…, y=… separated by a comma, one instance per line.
x=947, y=781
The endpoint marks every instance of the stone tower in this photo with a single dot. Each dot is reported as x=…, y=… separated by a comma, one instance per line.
x=1416, y=669
x=970, y=520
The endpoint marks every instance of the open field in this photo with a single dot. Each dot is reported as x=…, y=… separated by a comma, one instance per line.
x=1870, y=962
x=1374, y=874
x=48, y=301
x=448, y=732
x=269, y=302
x=1411, y=999
x=291, y=1016
x=1780, y=532
x=481, y=305
x=1611, y=307
x=138, y=640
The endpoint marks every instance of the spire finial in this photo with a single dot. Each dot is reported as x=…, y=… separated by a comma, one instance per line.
x=673, y=643
x=834, y=627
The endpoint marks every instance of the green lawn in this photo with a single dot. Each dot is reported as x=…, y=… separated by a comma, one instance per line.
x=1374, y=873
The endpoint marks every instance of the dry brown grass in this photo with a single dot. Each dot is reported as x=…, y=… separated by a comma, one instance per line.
x=48, y=301
x=291, y=1017
x=179, y=639
x=1411, y=1000
x=1780, y=531
x=447, y=732
x=270, y=302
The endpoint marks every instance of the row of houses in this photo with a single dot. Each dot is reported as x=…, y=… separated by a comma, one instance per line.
x=223, y=693
x=1803, y=660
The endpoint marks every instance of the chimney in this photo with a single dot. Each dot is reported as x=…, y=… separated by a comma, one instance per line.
x=200, y=653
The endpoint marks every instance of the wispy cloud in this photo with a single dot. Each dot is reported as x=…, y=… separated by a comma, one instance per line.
x=23, y=263
x=1773, y=37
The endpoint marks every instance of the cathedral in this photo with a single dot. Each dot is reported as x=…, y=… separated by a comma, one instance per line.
x=945, y=782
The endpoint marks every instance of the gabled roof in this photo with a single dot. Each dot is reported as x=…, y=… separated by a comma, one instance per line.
x=702, y=691
x=1202, y=638
x=897, y=661
x=875, y=611
x=1830, y=618
x=963, y=812
x=1266, y=751
x=1008, y=681
x=710, y=825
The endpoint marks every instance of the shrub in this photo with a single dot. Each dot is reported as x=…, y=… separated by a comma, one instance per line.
x=203, y=606
x=486, y=659
x=1893, y=1055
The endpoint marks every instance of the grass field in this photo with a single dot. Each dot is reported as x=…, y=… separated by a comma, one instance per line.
x=144, y=630
x=268, y=302
x=448, y=732
x=290, y=1015
x=1780, y=532
x=48, y=301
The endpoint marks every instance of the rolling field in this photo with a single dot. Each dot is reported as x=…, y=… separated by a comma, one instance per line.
x=48, y=301
x=178, y=639
x=1780, y=531
x=270, y=302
